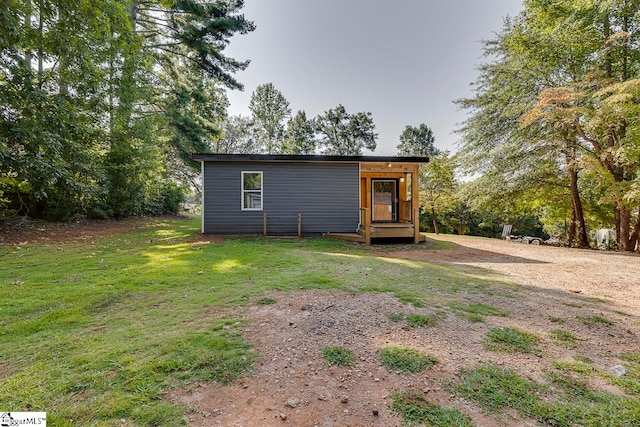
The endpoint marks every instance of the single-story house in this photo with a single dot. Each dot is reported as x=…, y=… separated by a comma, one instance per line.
x=351, y=197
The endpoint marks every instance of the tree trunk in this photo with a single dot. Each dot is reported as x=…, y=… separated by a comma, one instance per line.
x=606, y=27
x=635, y=234
x=577, y=228
x=433, y=218
x=578, y=213
x=625, y=48
x=28, y=55
x=616, y=215
x=40, y=44
x=571, y=237
x=624, y=238
x=124, y=189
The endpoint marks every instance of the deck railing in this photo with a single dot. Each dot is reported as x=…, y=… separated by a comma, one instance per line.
x=406, y=210
x=410, y=214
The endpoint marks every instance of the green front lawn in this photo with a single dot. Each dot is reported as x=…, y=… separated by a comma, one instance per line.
x=96, y=332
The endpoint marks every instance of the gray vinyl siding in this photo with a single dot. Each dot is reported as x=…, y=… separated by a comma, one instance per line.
x=326, y=194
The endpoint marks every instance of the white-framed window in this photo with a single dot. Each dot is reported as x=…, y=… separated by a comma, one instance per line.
x=251, y=190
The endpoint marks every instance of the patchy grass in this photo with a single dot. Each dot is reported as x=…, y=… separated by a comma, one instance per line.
x=421, y=320
x=474, y=318
x=509, y=340
x=563, y=401
x=265, y=301
x=554, y=319
x=630, y=382
x=338, y=355
x=593, y=321
x=564, y=338
x=577, y=366
x=632, y=356
x=583, y=359
x=475, y=312
x=478, y=308
x=406, y=359
x=415, y=409
x=395, y=317
x=440, y=245
x=572, y=304
x=494, y=389
x=415, y=320
x=576, y=403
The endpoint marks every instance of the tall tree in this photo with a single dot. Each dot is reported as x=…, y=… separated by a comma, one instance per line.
x=437, y=185
x=417, y=141
x=239, y=137
x=607, y=60
x=193, y=108
x=174, y=46
x=269, y=110
x=98, y=97
x=344, y=134
x=300, y=135
x=572, y=61
x=560, y=106
x=51, y=92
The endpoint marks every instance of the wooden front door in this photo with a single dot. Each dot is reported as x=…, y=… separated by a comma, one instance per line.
x=384, y=195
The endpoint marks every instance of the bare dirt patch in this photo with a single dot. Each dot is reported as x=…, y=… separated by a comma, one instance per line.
x=35, y=231
x=291, y=383
x=22, y=231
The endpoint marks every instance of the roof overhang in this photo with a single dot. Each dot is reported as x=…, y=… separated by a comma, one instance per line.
x=311, y=158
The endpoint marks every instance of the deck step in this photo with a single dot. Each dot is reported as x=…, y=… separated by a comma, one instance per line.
x=351, y=237
x=390, y=230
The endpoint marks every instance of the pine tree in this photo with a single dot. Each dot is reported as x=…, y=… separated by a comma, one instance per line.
x=269, y=110
x=300, y=135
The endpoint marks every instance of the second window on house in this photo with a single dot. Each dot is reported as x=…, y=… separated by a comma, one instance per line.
x=251, y=191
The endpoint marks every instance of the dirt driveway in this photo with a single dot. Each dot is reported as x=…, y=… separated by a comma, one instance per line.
x=291, y=384
x=614, y=276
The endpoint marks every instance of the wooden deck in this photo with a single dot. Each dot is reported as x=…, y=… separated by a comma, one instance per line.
x=389, y=229
x=386, y=230
x=351, y=237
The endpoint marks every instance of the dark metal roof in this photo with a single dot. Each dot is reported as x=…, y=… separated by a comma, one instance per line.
x=304, y=158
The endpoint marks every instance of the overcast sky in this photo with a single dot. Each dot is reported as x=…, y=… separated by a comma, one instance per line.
x=404, y=61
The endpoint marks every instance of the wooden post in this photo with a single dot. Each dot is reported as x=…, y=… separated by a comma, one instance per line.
x=415, y=200
x=367, y=226
x=264, y=224
x=299, y=225
x=416, y=225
